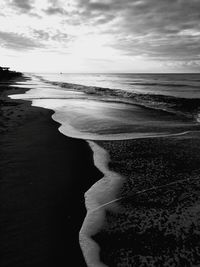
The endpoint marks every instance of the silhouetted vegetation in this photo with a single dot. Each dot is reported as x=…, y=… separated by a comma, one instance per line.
x=7, y=74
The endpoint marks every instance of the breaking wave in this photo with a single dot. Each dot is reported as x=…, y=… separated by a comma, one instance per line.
x=186, y=107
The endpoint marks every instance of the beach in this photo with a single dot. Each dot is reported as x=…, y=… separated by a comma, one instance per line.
x=44, y=176
x=92, y=182
x=150, y=217
x=155, y=218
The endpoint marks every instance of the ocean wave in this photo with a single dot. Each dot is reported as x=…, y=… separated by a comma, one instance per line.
x=186, y=107
x=165, y=84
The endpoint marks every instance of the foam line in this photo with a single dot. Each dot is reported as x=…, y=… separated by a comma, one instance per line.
x=102, y=192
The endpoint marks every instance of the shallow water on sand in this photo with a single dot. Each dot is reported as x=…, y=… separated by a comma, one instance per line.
x=92, y=117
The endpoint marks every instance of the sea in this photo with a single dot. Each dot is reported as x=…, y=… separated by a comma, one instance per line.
x=117, y=106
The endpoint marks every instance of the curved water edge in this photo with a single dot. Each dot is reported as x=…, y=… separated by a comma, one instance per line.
x=104, y=191
x=186, y=105
x=100, y=193
x=95, y=120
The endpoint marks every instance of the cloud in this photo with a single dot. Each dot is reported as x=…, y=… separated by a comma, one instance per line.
x=99, y=6
x=23, y=5
x=47, y=36
x=162, y=29
x=55, y=11
x=61, y=37
x=153, y=28
x=18, y=42
x=41, y=34
x=56, y=7
x=159, y=30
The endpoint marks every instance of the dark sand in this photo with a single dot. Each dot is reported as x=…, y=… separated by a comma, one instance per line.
x=44, y=176
x=161, y=226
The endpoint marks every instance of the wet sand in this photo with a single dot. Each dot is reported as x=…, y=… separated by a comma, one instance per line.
x=44, y=176
x=152, y=219
x=155, y=218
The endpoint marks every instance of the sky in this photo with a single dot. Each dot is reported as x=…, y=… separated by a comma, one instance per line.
x=100, y=35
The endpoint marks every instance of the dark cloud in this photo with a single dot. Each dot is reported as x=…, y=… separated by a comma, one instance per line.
x=23, y=5
x=55, y=8
x=162, y=29
x=99, y=6
x=55, y=11
x=18, y=42
x=106, y=6
x=167, y=29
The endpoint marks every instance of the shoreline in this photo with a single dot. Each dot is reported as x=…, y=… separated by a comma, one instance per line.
x=137, y=206
x=92, y=200
x=156, y=214
x=100, y=193
x=45, y=176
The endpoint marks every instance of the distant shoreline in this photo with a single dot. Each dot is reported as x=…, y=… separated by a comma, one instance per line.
x=7, y=74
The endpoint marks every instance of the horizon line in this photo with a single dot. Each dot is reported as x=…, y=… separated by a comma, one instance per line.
x=61, y=72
